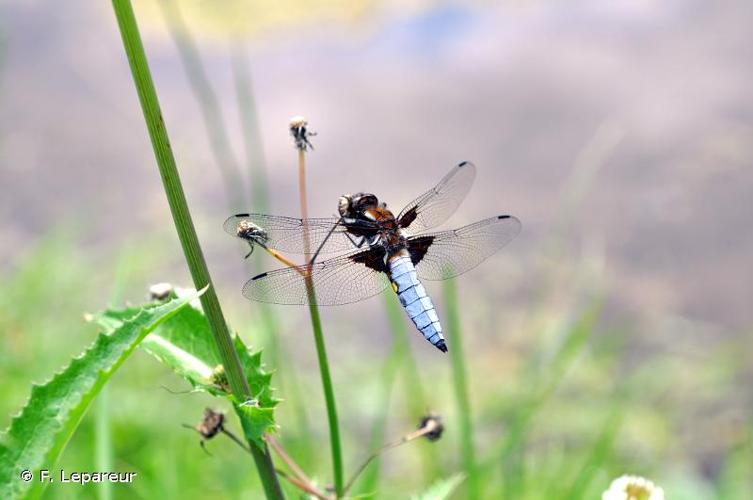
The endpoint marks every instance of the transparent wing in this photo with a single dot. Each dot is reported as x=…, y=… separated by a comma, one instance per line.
x=442, y=255
x=340, y=280
x=286, y=233
x=436, y=205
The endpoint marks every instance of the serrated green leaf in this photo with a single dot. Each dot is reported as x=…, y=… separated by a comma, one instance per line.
x=441, y=489
x=255, y=420
x=185, y=344
x=257, y=415
x=38, y=434
x=259, y=380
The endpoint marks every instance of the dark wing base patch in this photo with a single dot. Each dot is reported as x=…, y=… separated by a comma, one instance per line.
x=373, y=259
x=418, y=246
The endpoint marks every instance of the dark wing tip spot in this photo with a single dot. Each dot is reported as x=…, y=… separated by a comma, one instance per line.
x=259, y=276
x=464, y=163
x=514, y=220
x=441, y=346
x=241, y=215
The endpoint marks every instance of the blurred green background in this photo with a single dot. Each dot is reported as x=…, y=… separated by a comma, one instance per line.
x=613, y=336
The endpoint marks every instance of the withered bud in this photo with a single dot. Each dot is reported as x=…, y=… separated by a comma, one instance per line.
x=160, y=291
x=212, y=424
x=432, y=424
x=298, y=121
x=299, y=131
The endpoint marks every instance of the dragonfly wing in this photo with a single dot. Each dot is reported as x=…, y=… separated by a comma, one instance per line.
x=442, y=255
x=286, y=233
x=340, y=280
x=436, y=205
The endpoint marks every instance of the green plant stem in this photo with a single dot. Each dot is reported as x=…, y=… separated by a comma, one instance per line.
x=329, y=393
x=184, y=225
x=321, y=349
x=460, y=384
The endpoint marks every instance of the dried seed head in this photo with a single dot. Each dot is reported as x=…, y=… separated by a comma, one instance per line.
x=212, y=424
x=298, y=121
x=299, y=131
x=633, y=488
x=160, y=291
x=251, y=232
x=433, y=424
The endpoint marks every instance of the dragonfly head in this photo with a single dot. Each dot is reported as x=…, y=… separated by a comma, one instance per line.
x=354, y=205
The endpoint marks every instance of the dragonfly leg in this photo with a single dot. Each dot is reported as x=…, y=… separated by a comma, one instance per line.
x=251, y=245
x=321, y=245
x=363, y=240
x=357, y=245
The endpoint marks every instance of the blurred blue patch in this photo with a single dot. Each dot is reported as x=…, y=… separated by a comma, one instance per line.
x=425, y=35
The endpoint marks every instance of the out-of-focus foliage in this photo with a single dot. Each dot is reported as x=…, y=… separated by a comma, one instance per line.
x=38, y=434
x=442, y=489
x=575, y=416
x=245, y=18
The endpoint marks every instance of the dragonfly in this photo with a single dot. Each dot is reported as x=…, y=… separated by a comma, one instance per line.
x=374, y=249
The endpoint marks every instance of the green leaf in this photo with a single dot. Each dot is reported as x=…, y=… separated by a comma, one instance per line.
x=38, y=434
x=255, y=420
x=257, y=415
x=441, y=489
x=259, y=379
x=185, y=344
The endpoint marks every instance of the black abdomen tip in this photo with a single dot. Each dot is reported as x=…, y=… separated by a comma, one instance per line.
x=441, y=346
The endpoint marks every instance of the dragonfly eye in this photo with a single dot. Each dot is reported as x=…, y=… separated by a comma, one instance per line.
x=343, y=205
x=353, y=205
x=366, y=201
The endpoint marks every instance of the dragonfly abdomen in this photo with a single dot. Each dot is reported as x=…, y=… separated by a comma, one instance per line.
x=415, y=301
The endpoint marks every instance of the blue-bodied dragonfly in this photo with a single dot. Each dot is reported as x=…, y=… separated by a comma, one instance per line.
x=382, y=250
